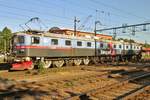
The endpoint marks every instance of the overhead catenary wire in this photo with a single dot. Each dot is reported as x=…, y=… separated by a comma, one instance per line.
x=34, y=11
x=93, y=8
x=55, y=15
x=109, y=14
x=62, y=17
x=45, y=4
x=23, y=17
x=72, y=9
x=115, y=8
x=31, y=11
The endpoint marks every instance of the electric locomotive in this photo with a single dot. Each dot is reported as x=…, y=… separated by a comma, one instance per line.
x=58, y=49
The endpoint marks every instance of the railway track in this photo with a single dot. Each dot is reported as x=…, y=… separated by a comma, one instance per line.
x=142, y=94
x=95, y=79
x=117, y=91
x=26, y=90
x=100, y=78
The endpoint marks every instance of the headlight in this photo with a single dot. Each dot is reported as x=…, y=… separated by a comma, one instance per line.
x=21, y=51
x=27, y=58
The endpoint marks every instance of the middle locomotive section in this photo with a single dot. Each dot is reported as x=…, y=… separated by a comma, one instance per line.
x=57, y=50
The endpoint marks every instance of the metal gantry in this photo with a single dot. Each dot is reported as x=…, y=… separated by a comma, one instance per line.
x=124, y=27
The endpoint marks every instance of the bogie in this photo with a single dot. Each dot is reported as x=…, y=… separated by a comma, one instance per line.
x=77, y=62
x=47, y=64
x=86, y=61
x=58, y=63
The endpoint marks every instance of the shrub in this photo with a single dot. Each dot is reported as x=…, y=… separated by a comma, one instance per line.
x=41, y=67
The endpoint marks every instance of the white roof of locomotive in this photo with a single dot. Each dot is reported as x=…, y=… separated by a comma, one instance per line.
x=54, y=35
x=86, y=38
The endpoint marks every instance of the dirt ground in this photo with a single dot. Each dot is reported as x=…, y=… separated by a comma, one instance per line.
x=54, y=83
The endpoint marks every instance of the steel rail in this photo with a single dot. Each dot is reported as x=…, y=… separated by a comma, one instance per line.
x=108, y=86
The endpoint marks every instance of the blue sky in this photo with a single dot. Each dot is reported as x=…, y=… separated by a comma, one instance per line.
x=61, y=13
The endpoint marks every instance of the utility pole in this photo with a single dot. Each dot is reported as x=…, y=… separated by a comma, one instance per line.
x=95, y=39
x=95, y=33
x=75, y=25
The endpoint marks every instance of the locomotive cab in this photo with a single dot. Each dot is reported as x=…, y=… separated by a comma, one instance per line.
x=21, y=60
x=18, y=41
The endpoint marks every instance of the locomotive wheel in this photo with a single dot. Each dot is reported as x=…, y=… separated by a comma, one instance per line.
x=69, y=62
x=47, y=64
x=59, y=63
x=95, y=60
x=86, y=61
x=77, y=62
x=101, y=60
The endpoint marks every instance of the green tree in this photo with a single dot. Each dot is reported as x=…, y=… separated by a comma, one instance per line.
x=1, y=42
x=5, y=36
x=127, y=40
x=146, y=45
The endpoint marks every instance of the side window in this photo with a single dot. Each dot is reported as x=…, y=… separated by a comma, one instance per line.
x=35, y=40
x=21, y=39
x=114, y=46
x=89, y=44
x=67, y=42
x=79, y=43
x=120, y=46
x=54, y=42
x=127, y=46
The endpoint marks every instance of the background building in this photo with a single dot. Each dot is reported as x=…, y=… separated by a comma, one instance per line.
x=79, y=33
